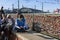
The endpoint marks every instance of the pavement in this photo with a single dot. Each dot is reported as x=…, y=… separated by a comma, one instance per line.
x=31, y=35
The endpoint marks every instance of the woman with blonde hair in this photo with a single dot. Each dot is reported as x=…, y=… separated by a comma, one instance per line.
x=10, y=23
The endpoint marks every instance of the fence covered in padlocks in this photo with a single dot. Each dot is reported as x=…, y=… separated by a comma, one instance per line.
x=50, y=23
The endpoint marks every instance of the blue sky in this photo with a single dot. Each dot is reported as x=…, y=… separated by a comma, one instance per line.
x=48, y=4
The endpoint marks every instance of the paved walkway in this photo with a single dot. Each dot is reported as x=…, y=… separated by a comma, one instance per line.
x=31, y=35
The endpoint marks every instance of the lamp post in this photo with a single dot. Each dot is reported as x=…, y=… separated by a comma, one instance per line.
x=42, y=6
x=12, y=7
x=18, y=6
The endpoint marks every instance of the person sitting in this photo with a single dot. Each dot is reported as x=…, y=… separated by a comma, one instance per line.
x=10, y=23
x=20, y=24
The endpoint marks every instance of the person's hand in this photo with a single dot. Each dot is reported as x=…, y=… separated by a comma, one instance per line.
x=21, y=27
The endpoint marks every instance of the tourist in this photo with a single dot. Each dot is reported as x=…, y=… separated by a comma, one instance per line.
x=20, y=23
x=2, y=11
x=10, y=23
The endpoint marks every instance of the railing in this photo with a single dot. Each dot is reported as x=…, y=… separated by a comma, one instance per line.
x=49, y=22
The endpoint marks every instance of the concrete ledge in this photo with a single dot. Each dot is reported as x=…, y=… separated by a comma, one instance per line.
x=19, y=36
x=34, y=36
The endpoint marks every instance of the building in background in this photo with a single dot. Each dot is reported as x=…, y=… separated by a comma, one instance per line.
x=26, y=10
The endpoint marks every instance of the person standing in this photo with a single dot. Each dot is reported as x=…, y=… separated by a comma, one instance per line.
x=2, y=11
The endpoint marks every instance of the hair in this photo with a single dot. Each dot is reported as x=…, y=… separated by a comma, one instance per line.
x=8, y=16
x=21, y=16
x=2, y=7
